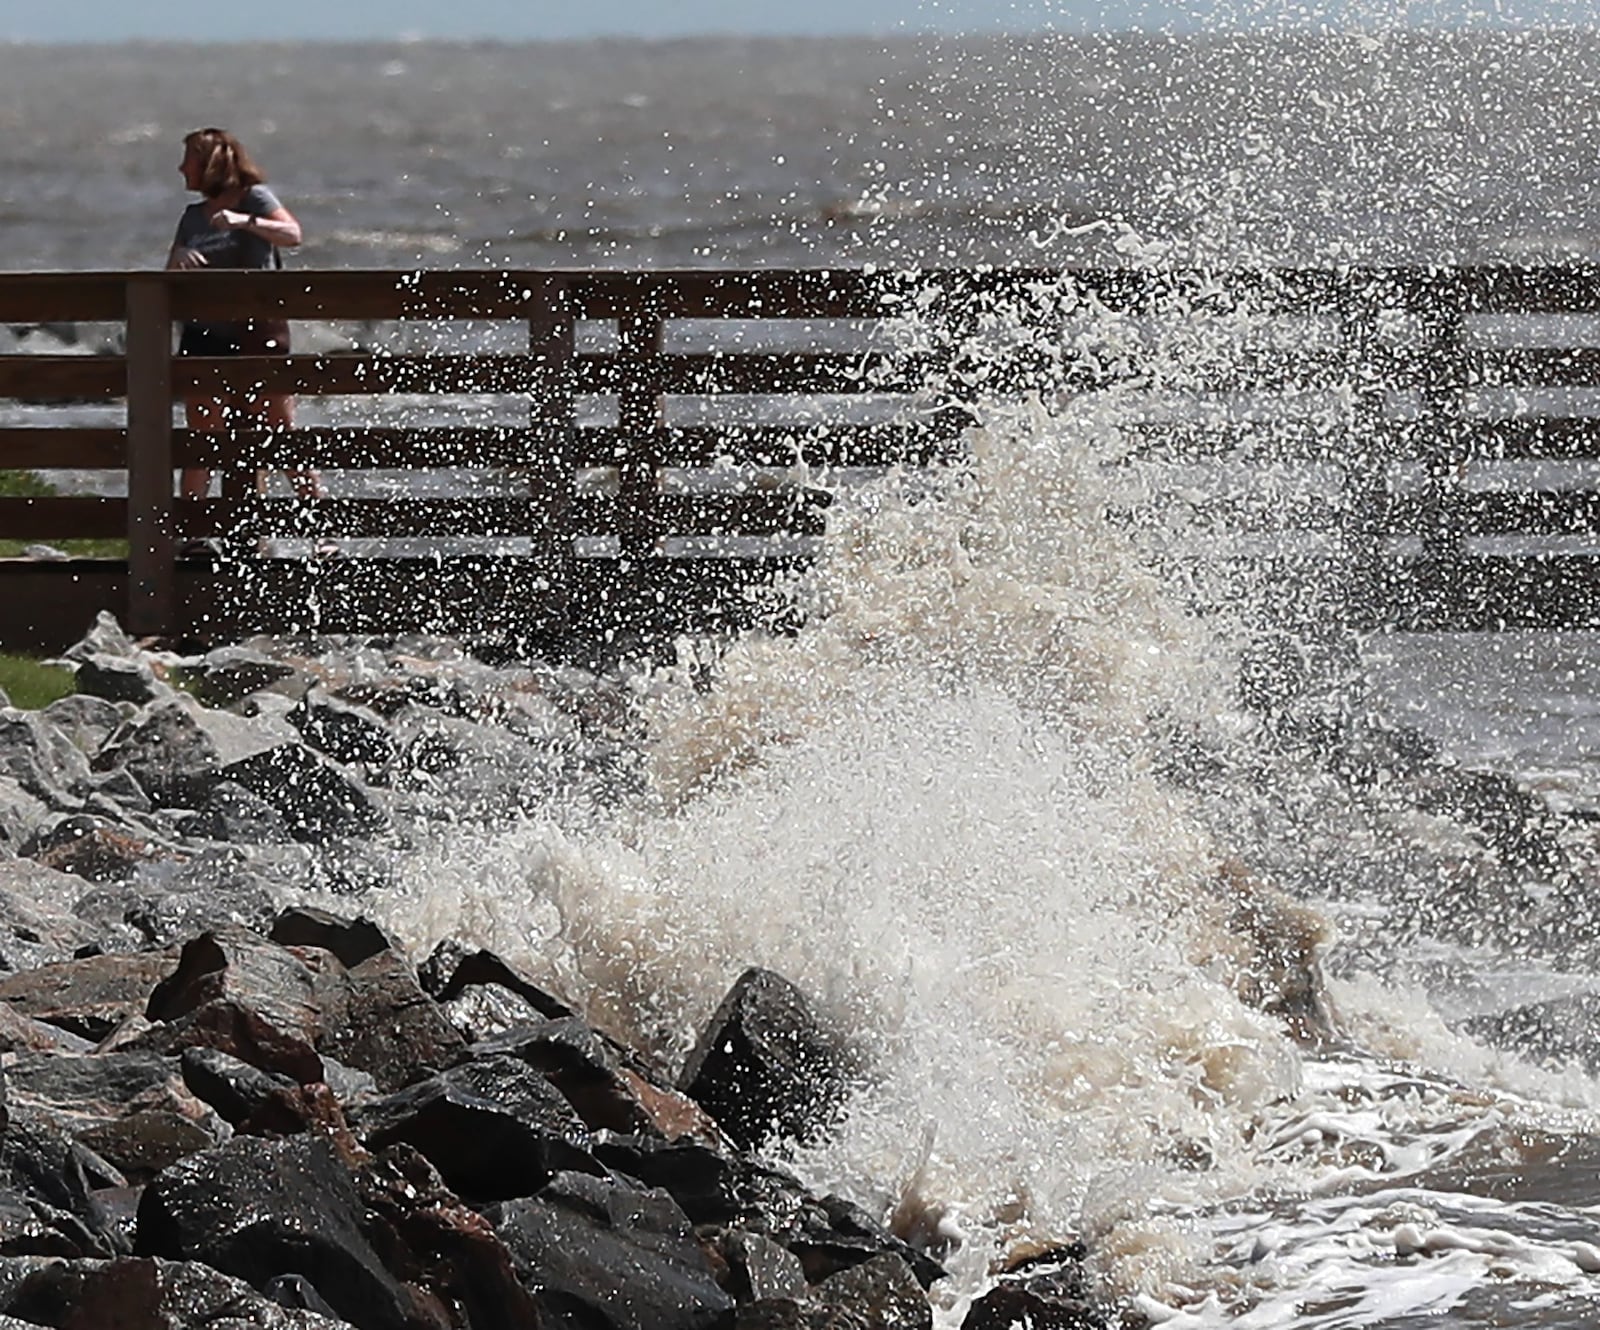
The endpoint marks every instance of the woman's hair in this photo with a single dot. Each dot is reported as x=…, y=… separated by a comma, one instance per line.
x=224, y=164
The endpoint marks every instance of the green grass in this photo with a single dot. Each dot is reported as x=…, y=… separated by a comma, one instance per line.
x=31, y=684
x=31, y=485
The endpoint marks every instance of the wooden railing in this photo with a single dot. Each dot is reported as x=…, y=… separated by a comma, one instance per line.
x=610, y=515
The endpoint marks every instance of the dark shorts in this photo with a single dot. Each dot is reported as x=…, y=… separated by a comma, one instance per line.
x=256, y=337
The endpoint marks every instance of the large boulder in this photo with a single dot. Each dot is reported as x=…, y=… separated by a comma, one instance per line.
x=259, y=1209
x=391, y=1028
x=493, y=1128
x=176, y=749
x=767, y=1065
x=41, y=759
x=608, y=1256
x=90, y=996
x=37, y=923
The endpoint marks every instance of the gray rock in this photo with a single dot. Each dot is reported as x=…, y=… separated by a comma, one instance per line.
x=238, y=816
x=21, y=814
x=87, y=721
x=342, y=730
x=119, y=679
x=175, y=749
x=105, y=638
x=230, y=673
x=41, y=759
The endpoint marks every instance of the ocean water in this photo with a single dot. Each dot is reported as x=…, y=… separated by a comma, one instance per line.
x=998, y=806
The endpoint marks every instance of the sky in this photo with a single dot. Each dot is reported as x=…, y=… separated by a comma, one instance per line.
x=367, y=20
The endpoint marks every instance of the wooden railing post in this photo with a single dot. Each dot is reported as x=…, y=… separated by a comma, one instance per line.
x=152, y=589
x=640, y=412
x=553, y=415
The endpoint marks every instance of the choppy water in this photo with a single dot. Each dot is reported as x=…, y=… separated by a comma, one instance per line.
x=956, y=807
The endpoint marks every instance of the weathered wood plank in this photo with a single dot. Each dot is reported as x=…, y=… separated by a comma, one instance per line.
x=62, y=378
x=152, y=592
x=1503, y=512
x=777, y=373
x=63, y=297
x=1490, y=594
x=1534, y=367
x=43, y=449
x=774, y=512
x=908, y=444
x=371, y=448
x=357, y=375
x=397, y=518
x=62, y=518
x=1526, y=438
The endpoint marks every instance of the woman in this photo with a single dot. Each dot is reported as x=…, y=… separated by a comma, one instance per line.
x=238, y=223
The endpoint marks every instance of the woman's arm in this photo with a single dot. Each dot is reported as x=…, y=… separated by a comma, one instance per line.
x=278, y=227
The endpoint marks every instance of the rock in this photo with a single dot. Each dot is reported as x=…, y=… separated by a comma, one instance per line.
x=105, y=638
x=237, y=816
x=1555, y=1031
x=20, y=1033
x=765, y=1064
x=795, y=1314
x=50, y=1183
x=493, y=1128
x=117, y=789
x=759, y=1269
x=236, y=991
x=231, y=673
x=86, y=721
x=144, y=1294
x=1049, y=1292
x=258, y=1209
x=41, y=759
x=391, y=1028
x=91, y=848
x=88, y=997
x=883, y=1292
x=118, y=679
x=452, y=969
x=175, y=749
x=449, y=1248
x=605, y=1255
x=342, y=730
x=21, y=814
x=232, y=1087
x=131, y=1109
x=590, y=1076
x=316, y=800
x=37, y=926
x=351, y=940
x=714, y=1188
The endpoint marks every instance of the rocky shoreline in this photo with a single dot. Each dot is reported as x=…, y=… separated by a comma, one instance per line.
x=223, y=1107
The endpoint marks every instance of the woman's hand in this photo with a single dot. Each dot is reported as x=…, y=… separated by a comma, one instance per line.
x=227, y=219
x=187, y=258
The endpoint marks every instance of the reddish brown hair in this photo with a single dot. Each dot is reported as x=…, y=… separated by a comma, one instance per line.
x=224, y=164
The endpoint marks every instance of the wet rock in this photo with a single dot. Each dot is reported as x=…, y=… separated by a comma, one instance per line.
x=104, y=638
x=795, y=1314
x=758, y=1269
x=52, y=1182
x=259, y=1209
x=1049, y=1292
x=352, y=941
x=91, y=848
x=342, y=730
x=230, y=673
x=453, y=969
x=86, y=721
x=115, y=792
x=591, y=1076
x=236, y=991
x=88, y=997
x=37, y=925
x=143, y=1294
x=766, y=1065
x=238, y=816
x=391, y=1028
x=232, y=1087
x=23, y=1034
x=315, y=798
x=118, y=679
x=443, y=1245
x=493, y=1128
x=603, y=1254
x=883, y=1292
x=42, y=760
x=1560, y=1030
x=21, y=814
x=132, y=1110
x=828, y=1234
x=298, y=1292
x=176, y=749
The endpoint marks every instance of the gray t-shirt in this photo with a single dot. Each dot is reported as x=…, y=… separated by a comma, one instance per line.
x=229, y=249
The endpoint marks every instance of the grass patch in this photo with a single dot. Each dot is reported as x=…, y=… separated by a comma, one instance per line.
x=31, y=485
x=31, y=684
